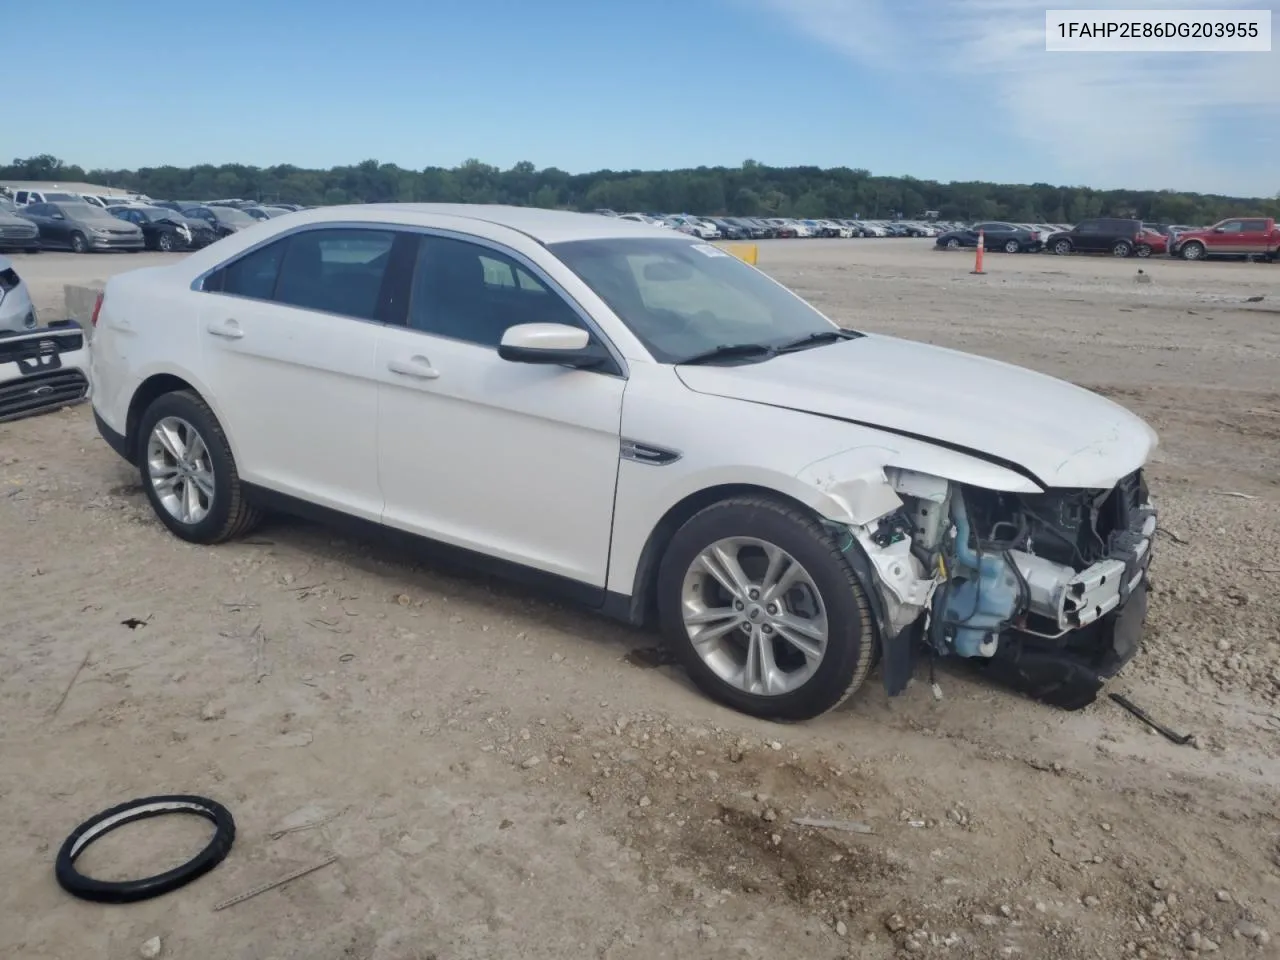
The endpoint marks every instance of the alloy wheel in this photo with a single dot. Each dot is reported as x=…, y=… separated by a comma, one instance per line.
x=754, y=616
x=180, y=470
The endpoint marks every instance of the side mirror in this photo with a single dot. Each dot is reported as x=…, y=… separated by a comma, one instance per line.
x=1219, y=229
x=555, y=343
x=58, y=216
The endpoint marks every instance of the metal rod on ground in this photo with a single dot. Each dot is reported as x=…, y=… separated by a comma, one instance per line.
x=273, y=884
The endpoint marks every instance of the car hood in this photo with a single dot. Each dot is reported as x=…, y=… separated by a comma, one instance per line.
x=1061, y=434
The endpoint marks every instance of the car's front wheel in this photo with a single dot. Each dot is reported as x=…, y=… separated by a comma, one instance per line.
x=188, y=471
x=760, y=605
x=1192, y=250
x=953, y=243
x=78, y=243
x=165, y=242
x=1142, y=250
x=1062, y=247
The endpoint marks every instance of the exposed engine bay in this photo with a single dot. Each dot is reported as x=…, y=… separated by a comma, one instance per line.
x=1047, y=590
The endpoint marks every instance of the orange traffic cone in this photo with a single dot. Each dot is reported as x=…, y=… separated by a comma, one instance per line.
x=977, y=262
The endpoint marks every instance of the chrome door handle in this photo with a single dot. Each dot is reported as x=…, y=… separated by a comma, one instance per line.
x=416, y=366
x=227, y=329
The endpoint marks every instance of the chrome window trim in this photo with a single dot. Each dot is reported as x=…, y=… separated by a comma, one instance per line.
x=197, y=285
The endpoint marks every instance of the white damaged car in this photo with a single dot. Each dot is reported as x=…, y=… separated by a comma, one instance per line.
x=645, y=424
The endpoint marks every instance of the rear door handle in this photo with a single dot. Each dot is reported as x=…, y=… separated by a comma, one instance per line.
x=416, y=366
x=227, y=329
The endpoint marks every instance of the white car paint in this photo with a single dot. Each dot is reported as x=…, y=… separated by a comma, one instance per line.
x=529, y=463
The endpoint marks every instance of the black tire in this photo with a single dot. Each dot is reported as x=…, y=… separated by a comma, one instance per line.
x=1012, y=246
x=1122, y=248
x=78, y=243
x=230, y=515
x=164, y=243
x=131, y=891
x=1062, y=247
x=1192, y=250
x=1142, y=250
x=851, y=637
x=952, y=243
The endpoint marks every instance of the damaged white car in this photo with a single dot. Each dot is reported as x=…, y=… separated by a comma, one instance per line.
x=647, y=425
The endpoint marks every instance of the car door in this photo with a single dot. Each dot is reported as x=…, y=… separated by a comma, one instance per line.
x=1253, y=237
x=514, y=460
x=1087, y=236
x=1225, y=238
x=289, y=334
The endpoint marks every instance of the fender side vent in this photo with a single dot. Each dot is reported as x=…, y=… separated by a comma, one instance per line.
x=647, y=453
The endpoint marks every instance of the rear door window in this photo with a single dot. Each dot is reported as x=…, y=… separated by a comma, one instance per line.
x=337, y=270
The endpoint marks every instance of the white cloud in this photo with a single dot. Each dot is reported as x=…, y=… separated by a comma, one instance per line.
x=1108, y=119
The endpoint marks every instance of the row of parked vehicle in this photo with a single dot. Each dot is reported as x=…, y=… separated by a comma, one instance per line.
x=84, y=223
x=1236, y=237
x=769, y=228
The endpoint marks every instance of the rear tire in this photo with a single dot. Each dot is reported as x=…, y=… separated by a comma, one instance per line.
x=1122, y=248
x=825, y=599
x=226, y=513
x=1012, y=246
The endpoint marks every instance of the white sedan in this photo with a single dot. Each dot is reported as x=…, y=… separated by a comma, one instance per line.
x=634, y=418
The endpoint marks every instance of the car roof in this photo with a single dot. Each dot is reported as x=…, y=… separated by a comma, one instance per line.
x=546, y=226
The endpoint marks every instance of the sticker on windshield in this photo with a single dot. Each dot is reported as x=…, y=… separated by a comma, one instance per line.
x=708, y=250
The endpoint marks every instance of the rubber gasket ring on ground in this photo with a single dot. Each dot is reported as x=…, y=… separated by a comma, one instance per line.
x=131, y=891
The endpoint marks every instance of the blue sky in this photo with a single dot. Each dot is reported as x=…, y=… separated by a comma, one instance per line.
x=938, y=89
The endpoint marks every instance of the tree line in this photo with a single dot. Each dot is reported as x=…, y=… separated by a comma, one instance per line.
x=752, y=189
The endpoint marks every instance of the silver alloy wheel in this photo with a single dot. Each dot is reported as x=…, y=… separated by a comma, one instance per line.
x=953, y=244
x=754, y=616
x=1011, y=246
x=1121, y=250
x=1192, y=251
x=180, y=469
x=1062, y=247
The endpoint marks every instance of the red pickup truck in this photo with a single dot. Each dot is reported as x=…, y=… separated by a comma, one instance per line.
x=1237, y=237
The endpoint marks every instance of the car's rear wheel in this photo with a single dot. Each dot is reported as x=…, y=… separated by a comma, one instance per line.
x=189, y=473
x=1062, y=247
x=1193, y=250
x=761, y=607
x=1012, y=246
x=1121, y=248
x=78, y=243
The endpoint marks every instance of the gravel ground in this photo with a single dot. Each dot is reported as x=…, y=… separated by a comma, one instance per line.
x=502, y=776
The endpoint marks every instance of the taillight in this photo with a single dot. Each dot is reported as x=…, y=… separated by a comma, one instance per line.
x=97, y=306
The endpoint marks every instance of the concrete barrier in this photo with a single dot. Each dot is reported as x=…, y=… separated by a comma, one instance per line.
x=80, y=298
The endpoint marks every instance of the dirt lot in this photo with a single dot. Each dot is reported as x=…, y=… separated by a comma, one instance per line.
x=507, y=777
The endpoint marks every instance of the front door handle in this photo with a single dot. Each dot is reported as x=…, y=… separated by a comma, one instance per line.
x=416, y=366
x=227, y=329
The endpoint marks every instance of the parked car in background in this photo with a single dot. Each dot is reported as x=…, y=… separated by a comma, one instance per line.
x=1117, y=236
x=1237, y=237
x=996, y=234
x=41, y=369
x=26, y=197
x=81, y=227
x=16, y=309
x=16, y=231
x=225, y=220
x=730, y=230
x=162, y=228
x=1151, y=243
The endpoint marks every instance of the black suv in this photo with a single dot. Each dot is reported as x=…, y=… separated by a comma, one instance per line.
x=1118, y=237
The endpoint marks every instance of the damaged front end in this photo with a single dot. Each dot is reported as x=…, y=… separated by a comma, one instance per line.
x=1046, y=591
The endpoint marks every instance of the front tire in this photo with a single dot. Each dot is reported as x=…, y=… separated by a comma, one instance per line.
x=78, y=243
x=1062, y=247
x=953, y=244
x=1192, y=250
x=165, y=243
x=188, y=471
x=1142, y=250
x=762, y=608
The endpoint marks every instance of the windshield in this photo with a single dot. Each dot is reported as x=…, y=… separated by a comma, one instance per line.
x=232, y=215
x=683, y=299
x=84, y=211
